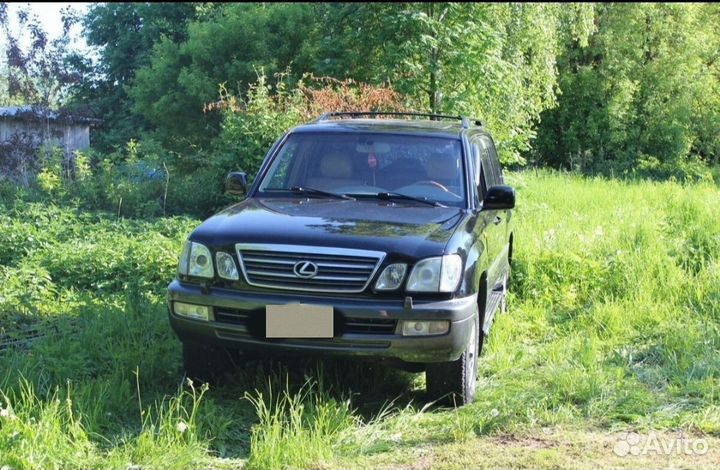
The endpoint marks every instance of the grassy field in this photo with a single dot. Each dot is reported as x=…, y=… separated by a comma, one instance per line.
x=612, y=328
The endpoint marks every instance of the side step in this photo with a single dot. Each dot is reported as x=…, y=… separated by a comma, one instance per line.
x=496, y=300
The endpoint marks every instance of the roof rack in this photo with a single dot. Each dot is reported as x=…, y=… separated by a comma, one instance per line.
x=466, y=121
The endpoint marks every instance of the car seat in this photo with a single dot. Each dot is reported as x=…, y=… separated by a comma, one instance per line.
x=334, y=170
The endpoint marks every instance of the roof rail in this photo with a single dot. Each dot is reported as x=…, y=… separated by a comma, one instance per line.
x=466, y=121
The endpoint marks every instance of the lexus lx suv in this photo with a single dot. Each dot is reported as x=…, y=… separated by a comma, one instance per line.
x=377, y=235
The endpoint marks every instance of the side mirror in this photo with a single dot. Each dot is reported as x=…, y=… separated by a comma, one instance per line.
x=236, y=183
x=499, y=197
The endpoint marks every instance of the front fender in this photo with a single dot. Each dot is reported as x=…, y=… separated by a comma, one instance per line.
x=469, y=241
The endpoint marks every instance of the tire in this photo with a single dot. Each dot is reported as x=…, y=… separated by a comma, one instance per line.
x=205, y=364
x=453, y=383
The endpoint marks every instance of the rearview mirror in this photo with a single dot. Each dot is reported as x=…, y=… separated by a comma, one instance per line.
x=499, y=197
x=236, y=183
x=370, y=147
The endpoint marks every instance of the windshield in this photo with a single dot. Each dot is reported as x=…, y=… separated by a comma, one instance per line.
x=366, y=164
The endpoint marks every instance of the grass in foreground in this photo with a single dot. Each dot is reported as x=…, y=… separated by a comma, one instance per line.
x=612, y=327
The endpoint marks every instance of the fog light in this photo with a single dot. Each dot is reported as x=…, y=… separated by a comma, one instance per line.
x=425, y=328
x=196, y=312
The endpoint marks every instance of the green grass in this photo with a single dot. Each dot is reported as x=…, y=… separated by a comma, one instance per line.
x=612, y=327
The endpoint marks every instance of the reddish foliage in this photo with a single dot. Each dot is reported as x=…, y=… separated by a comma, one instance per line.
x=316, y=95
x=348, y=95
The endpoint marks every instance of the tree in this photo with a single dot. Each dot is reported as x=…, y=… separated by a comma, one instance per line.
x=124, y=35
x=38, y=75
x=496, y=61
x=643, y=95
x=227, y=47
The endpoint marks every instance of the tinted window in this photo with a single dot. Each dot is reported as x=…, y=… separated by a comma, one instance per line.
x=368, y=163
x=478, y=176
x=488, y=171
x=495, y=174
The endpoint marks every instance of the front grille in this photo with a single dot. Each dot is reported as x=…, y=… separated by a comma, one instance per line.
x=340, y=270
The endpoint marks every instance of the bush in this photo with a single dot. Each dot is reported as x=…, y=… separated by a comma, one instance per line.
x=143, y=179
x=249, y=128
x=131, y=182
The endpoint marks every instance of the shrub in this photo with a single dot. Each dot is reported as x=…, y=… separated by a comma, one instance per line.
x=250, y=126
x=131, y=182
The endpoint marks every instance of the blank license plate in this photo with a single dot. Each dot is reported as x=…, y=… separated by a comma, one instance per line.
x=298, y=321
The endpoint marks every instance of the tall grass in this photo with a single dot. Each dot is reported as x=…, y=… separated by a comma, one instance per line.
x=48, y=432
x=613, y=323
x=614, y=314
x=296, y=429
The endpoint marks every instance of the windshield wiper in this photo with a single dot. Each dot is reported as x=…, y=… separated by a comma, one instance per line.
x=388, y=195
x=319, y=192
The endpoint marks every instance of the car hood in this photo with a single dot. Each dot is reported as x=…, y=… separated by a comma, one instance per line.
x=393, y=227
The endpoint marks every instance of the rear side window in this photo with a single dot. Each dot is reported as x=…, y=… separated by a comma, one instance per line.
x=491, y=158
x=487, y=168
x=480, y=173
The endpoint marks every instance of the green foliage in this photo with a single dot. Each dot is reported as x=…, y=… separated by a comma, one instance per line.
x=613, y=325
x=494, y=61
x=250, y=126
x=124, y=34
x=48, y=432
x=615, y=88
x=86, y=251
x=642, y=97
x=87, y=287
x=133, y=181
x=34, y=70
x=296, y=429
x=225, y=47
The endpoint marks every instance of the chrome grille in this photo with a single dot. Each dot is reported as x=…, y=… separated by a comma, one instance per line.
x=338, y=269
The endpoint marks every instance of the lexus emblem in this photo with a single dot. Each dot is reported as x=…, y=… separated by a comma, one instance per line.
x=305, y=269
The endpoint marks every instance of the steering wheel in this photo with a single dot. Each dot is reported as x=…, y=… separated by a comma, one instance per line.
x=438, y=185
x=433, y=183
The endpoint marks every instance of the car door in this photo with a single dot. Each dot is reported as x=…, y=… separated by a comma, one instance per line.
x=484, y=228
x=505, y=215
x=496, y=227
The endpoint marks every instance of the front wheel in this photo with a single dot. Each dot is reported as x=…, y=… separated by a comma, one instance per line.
x=453, y=383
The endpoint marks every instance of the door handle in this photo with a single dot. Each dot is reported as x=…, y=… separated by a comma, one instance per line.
x=497, y=220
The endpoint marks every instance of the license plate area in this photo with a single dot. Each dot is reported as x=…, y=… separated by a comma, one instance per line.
x=299, y=321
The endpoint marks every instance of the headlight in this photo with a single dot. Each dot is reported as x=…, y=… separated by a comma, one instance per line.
x=391, y=277
x=195, y=260
x=441, y=274
x=184, y=258
x=226, y=266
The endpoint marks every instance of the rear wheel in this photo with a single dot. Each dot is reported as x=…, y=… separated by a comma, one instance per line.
x=453, y=383
x=204, y=363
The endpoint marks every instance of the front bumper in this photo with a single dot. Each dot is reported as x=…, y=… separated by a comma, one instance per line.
x=238, y=319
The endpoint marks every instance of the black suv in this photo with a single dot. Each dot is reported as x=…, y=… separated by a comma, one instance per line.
x=382, y=238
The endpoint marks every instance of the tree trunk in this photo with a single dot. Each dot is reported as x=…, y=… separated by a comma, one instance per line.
x=434, y=93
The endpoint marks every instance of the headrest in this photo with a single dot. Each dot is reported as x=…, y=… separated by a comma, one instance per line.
x=442, y=166
x=336, y=165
